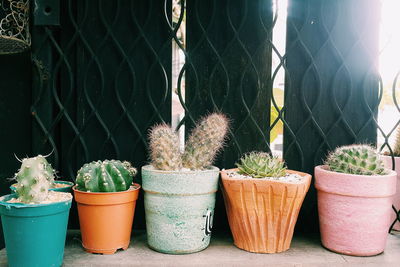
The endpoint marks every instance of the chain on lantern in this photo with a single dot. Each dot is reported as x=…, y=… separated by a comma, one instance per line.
x=14, y=26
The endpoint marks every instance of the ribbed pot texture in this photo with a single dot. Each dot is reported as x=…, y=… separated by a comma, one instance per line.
x=396, y=199
x=262, y=213
x=354, y=211
x=179, y=208
x=106, y=219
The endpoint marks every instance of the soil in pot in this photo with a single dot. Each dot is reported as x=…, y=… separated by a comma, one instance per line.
x=106, y=219
x=262, y=212
x=59, y=186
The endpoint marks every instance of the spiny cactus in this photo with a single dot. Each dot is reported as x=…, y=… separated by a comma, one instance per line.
x=396, y=149
x=34, y=178
x=356, y=159
x=105, y=176
x=260, y=165
x=164, y=148
x=205, y=140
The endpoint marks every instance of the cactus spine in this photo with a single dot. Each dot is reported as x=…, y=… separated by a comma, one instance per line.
x=260, y=165
x=205, y=140
x=34, y=178
x=356, y=159
x=164, y=148
x=105, y=176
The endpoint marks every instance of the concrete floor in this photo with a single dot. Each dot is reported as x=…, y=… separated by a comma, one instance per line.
x=304, y=251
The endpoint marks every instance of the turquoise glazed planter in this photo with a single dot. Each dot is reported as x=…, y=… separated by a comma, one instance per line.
x=34, y=234
x=179, y=208
x=66, y=189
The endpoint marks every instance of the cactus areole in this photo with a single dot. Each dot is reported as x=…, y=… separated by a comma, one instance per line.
x=105, y=176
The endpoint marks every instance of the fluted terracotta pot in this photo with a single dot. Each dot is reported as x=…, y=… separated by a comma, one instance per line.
x=396, y=199
x=262, y=213
x=354, y=210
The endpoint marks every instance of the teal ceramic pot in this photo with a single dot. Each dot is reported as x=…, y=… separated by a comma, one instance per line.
x=34, y=234
x=179, y=208
x=67, y=188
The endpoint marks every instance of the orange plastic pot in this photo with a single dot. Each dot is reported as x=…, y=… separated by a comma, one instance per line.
x=106, y=219
x=262, y=213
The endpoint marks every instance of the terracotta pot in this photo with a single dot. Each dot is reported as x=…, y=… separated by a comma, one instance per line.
x=262, y=213
x=354, y=211
x=396, y=199
x=106, y=219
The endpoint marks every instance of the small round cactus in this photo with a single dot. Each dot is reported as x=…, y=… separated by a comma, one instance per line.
x=260, y=165
x=356, y=159
x=164, y=148
x=105, y=176
x=206, y=139
x=34, y=178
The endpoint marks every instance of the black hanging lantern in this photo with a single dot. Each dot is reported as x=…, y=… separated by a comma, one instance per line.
x=14, y=26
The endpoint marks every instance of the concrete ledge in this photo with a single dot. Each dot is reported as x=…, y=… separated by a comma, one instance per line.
x=304, y=251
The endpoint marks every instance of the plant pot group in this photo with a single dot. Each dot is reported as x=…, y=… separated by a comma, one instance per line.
x=354, y=213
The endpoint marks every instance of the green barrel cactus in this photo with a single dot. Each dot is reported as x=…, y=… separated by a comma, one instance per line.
x=164, y=148
x=204, y=142
x=34, y=179
x=260, y=165
x=105, y=176
x=356, y=159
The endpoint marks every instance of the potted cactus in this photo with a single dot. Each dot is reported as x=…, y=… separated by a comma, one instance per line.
x=263, y=200
x=180, y=187
x=55, y=185
x=389, y=161
x=106, y=199
x=355, y=193
x=35, y=219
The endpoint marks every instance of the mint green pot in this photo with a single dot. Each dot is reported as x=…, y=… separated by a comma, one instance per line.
x=66, y=189
x=34, y=233
x=179, y=208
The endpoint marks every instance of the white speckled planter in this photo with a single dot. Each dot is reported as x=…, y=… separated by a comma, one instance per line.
x=179, y=208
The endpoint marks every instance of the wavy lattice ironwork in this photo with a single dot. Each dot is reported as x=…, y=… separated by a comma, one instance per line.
x=104, y=76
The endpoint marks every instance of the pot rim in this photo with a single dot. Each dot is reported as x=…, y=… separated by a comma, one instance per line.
x=152, y=169
x=25, y=205
x=131, y=189
x=325, y=169
x=306, y=177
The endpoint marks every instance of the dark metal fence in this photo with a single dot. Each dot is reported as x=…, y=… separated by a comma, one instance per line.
x=102, y=76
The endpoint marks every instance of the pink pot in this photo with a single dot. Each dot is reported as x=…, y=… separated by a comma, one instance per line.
x=354, y=211
x=396, y=199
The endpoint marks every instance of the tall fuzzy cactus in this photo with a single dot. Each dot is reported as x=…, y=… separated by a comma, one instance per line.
x=396, y=149
x=105, y=176
x=34, y=178
x=356, y=159
x=205, y=140
x=164, y=148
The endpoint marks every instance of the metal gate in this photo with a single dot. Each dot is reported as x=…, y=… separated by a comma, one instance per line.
x=102, y=75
